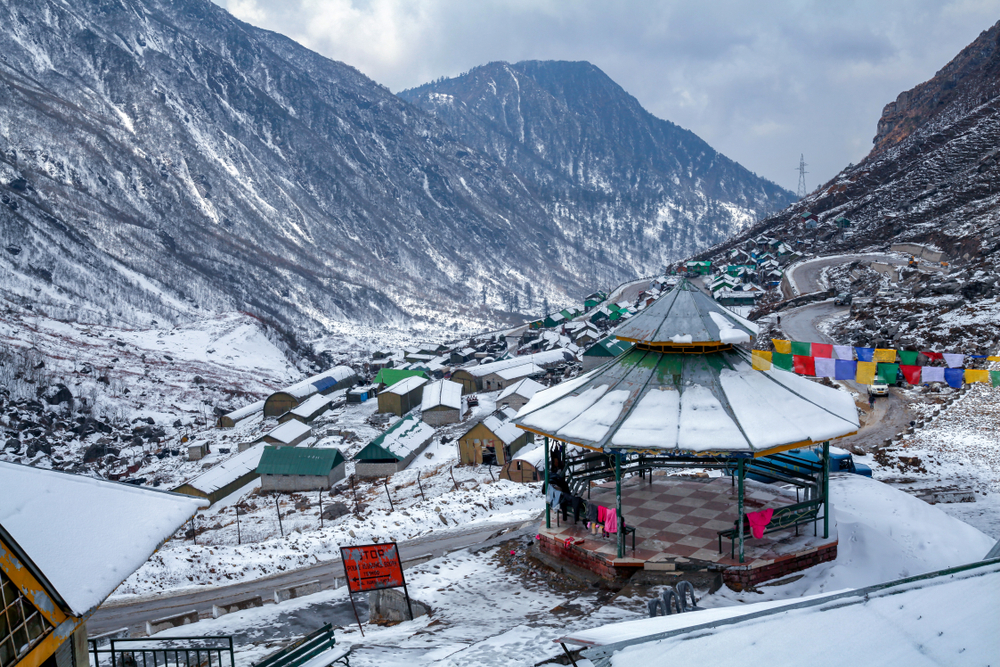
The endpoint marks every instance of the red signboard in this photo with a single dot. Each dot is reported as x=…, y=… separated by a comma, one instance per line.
x=372, y=566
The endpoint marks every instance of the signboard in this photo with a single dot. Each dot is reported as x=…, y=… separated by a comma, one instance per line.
x=369, y=567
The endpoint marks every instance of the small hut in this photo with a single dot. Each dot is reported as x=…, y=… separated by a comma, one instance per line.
x=516, y=395
x=362, y=394
x=327, y=382
x=393, y=450
x=505, y=377
x=300, y=469
x=311, y=409
x=471, y=378
x=402, y=397
x=233, y=418
x=442, y=403
x=525, y=467
x=289, y=434
x=224, y=478
x=493, y=440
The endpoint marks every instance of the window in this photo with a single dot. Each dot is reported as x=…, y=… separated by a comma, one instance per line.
x=21, y=625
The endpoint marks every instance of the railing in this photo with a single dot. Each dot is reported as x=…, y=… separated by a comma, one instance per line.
x=168, y=652
x=302, y=650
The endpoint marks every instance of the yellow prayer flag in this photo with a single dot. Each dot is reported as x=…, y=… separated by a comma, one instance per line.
x=887, y=356
x=975, y=375
x=761, y=360
x=782, y=346
x=866, y=372
x=992, y=358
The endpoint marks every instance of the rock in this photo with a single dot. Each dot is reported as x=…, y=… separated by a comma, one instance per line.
x=58, y=394
x=335, y=510
x=104, y=380
x=14, y=444
x=178, y=424
x=198, y=379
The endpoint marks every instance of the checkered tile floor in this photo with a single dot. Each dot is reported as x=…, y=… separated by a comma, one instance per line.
x=679, y=517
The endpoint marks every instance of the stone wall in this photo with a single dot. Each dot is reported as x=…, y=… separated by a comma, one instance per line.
x=740, y=577
x=388, y=607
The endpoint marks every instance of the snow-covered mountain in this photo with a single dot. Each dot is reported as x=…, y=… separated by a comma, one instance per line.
x=159, y=158
x=629, y=184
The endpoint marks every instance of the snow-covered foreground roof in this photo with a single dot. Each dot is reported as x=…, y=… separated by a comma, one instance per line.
x=321, y=382
x=944, y=618
x=548, y=357
x=405, y=386
x=684, y=316
x=287, y=432
x=229, y=470
x=86, y=535
x=525, y=388
x=696, y=403
x=442, y=393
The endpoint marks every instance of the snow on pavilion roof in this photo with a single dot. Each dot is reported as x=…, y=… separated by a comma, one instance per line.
x=702, y=404
x=686, y=316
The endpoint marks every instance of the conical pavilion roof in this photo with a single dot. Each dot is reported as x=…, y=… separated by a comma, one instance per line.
x=666, y=399
x=686, y=316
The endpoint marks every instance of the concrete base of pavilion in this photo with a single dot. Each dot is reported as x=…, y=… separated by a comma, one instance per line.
x=677, y=520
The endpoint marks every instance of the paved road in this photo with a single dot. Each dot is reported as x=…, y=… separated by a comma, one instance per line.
x=805, y=277
x=135, y=612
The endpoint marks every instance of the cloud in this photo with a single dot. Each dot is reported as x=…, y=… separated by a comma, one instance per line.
x=760, y=82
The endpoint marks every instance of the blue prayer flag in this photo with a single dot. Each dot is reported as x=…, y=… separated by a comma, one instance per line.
x=955, y=377
x=865, y=353
x=845, y=370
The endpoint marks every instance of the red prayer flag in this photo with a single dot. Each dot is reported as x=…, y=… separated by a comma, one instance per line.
x=824, y=350
x=804, y=365
x=933, y=356
x=911, y=373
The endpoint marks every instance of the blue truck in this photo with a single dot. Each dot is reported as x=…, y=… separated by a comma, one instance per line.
x=841, y=460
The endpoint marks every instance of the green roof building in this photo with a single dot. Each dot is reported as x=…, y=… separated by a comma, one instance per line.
x=300, y=468
x=390, y=376
x=602, y=351
x=393, y=450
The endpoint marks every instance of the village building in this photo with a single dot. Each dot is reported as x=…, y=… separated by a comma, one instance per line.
x=289, y=434
x=66, y=543
x=602, y=351
x=300, y=469
x=505, y=377
x=493, y=440
x=224, y=478
x=462, y=356
x=233, y=418
x=390, y=376
x=402, y=397
x=588, y=334
x=327, y=382
x=395, y=449
x=519, y=393
x=441, y=403
x=313, y=407
x=743, y=295
x=362, y=394
x=525, y=467
x=471, y=377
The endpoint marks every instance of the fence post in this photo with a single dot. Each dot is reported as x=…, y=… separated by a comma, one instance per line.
x=278, y=509
x=453, y=482
x=320, y=508
x=239, y=537
x=386, y=485
x=421, y=487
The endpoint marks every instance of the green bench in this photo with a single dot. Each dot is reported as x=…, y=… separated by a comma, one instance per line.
x=789, y=516
x=318, y=649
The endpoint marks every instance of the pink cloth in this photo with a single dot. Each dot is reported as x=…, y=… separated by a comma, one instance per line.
x=600, y=514
x=758, y=521
x=611, y=520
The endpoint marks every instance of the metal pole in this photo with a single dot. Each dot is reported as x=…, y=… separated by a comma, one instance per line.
x=194, y=528
x=826, y=489
x=618, y=504
x=453, y=482
x=239, y=537
x=350, y=594
x=421, y=487
x=545, y=488
x=386, y=485
x=741, y=469
x=276, y=507
x=320, y=508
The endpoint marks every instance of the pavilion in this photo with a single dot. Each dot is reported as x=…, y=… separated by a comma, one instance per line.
x=685, y=397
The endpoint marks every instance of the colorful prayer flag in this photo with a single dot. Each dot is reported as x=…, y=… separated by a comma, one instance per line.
x=933, y=356
x=888, y=373
x=887, y=356
x=823, y=350
x=931, y=374
x=908, y=357
x=911, y=373
x=826, y=367
x=801, y=349
x=995, y=378
x=845, y=352
x=782, y=361
x=865, y=353
x=976, y=375
x=954, y=360
x=782, y=346
x=954, y=377
x=846, y=369
x=761, y=360
x=803, y=364
x=992, y=358
x=866, y=372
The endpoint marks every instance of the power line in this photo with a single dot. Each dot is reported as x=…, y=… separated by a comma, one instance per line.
x=802, y=176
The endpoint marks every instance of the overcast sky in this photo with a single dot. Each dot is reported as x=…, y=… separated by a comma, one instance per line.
x=760, y=81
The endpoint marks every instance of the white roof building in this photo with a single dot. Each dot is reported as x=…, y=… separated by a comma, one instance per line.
x=288, y=433
x=225, y=473
x=526, y=388
x=85, y=535
x=405, y=386
x=546, y=358
x=442, y=393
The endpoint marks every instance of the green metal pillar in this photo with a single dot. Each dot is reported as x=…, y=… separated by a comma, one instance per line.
x=741, y=471
x=826, y=489
x=618, y=504
x=545, y=489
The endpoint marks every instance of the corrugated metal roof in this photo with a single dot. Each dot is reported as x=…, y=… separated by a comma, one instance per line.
x=390, y=376
x=405, y=386
x=442, y=393
x=396, y=443
x=299, y=461
x=288, y=431
x=320, y=382
x=228, y=471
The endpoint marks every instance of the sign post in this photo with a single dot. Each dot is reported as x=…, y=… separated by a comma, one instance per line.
x=371, y=567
